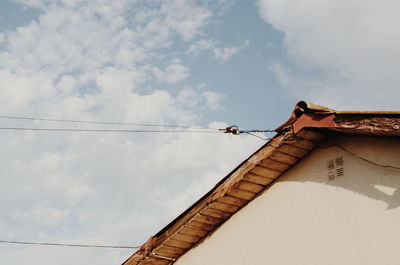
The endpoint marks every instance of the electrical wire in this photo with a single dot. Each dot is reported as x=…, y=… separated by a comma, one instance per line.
x=257, y=131
x=105, y=122
x=103, y=130
x=358, y=156
x=365, y=159
x=234, y=129
x=231, y=129
x=64, y=245
x=255, y=135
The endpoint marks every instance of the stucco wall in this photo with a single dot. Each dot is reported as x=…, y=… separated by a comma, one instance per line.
x=306, y=219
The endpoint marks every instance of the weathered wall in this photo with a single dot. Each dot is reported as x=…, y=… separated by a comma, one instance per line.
x=306, y=219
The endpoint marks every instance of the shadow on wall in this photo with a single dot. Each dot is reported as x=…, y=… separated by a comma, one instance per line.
x=369, y=166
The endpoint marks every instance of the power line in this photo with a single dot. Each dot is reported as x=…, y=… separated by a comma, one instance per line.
x=104, y=122
x=358, y=156
x=129, y=131
x=234, y=129
x=64, y=245
x=104, y=130
x=257, y=131
x=230, y=129
x=365, y=159
x=255, y=135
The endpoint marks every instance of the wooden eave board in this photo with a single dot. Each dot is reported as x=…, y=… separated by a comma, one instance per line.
x=249, y=180
x=253, y=177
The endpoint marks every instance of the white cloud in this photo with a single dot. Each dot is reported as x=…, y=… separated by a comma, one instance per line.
x=2, y=38
x=185, y=17
x=122, y=81
x=17, y=92
x=43, y=215
x=353, y=46
x=200, y=46
x=66, y=84
x=281, y=74
x=173, y=73
x=224, y=54
x=97, y=60
x=189, y=97
x=197, y=99
x=71, y=40
x=213, y=100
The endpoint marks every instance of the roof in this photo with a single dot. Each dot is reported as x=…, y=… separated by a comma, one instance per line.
x=307, y=126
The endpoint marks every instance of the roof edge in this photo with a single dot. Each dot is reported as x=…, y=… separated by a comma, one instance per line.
x=297, y=137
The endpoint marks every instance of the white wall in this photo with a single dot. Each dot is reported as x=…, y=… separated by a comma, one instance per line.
x=306, y=219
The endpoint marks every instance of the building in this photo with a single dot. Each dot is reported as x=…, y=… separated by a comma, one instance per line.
x=323, y=190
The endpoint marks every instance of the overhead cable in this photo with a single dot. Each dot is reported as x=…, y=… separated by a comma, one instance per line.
x=255, y=135
x=234, y=129
x=64, y=245
x=104, y=130
x=189, y=129
x=104, y=122
x=363, y=158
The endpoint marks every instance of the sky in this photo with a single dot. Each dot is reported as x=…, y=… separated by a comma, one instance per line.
x=181, y=62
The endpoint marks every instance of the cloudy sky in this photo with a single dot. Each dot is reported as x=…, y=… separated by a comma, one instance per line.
x=209, y=63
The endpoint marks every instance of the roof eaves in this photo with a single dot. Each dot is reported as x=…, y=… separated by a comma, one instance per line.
x=296, y=138
x=237, y=189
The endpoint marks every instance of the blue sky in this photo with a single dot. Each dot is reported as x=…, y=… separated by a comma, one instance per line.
x=257, y=89
x=13, y=15
x=199, y=63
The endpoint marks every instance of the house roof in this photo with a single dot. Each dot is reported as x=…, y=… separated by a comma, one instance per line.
x=307, y=126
